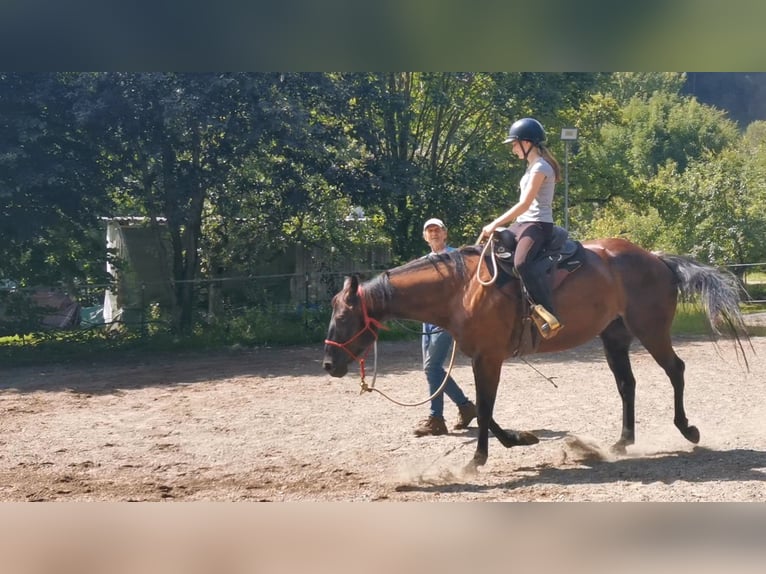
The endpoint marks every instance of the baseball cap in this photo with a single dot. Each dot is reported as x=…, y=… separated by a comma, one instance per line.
x=434, y=221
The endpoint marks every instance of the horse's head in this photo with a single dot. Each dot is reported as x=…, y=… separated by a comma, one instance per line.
x=351, y=330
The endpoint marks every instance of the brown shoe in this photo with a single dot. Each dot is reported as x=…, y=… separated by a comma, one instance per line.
x=431, y=426
x=466, y=413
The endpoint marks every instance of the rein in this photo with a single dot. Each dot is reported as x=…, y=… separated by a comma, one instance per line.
x=371, y=387
x=488, y=245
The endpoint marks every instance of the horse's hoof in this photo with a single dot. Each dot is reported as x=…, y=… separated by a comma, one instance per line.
x=619, y=448
x=471, y=469
x=527, y=438
x=692, y=434
x=515, y=438
x=479, y=459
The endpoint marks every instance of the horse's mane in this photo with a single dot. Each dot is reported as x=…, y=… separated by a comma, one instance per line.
x=379, y=288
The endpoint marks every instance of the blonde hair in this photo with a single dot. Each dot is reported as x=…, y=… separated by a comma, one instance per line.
x=548, y=156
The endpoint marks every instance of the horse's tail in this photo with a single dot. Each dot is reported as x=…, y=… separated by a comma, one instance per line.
x=718, y=292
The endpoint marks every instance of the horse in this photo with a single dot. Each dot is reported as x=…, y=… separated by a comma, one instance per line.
x=620, y=292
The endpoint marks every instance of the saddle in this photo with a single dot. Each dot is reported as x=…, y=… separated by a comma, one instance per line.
x=559, y=258
x=561, y=253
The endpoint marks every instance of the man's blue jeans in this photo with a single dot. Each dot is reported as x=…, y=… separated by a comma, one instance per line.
x=436, y=349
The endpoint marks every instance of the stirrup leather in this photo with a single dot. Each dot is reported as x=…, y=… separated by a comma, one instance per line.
x=546, y=322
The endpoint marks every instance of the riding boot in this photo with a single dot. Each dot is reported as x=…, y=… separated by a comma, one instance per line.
x=542, y=308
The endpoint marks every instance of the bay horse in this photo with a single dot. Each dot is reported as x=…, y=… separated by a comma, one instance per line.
x=620, y=292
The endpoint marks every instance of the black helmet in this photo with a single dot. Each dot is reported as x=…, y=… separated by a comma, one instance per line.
x=528, y=129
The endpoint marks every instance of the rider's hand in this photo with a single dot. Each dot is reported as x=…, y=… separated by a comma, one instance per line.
x=487, y=231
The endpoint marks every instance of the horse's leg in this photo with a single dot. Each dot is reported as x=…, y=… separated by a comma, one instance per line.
x=674, y=367
x=486, y=374
x=616, y=339
x=656, y=340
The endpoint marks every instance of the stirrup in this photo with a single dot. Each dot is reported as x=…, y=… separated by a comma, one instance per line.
x=546, y=322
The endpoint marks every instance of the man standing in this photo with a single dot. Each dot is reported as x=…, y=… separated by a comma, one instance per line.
x=437, y=344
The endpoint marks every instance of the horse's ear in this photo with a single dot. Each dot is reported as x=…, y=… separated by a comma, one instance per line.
x=351, y=284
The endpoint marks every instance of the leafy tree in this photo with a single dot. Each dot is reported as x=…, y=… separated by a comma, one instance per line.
x=597, y=171
x=709, y=211
x=168, y=141
x=715, y=221
x=241, y=166
x=431, y=144
x=288, y=188
x=633, y=151
x=625, y=86
x=622, y=219
x=752, y=147
x=51, y=189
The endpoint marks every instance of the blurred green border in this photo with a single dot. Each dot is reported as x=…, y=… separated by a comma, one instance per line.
x=476, y=35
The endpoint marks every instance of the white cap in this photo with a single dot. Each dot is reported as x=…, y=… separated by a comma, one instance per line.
x=434, y=221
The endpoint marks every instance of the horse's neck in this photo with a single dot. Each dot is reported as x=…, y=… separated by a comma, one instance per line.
x=423, y=296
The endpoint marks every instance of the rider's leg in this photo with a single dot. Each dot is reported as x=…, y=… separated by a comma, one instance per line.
x=531, y=239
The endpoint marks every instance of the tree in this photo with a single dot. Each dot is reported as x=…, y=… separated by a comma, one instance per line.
x=634, y=150
x=51, y=189
x=288, y=188
x=715, y=220
x=431, y=144
x=168, y=141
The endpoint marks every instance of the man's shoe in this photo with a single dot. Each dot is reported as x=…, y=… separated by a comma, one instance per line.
x=466, y=413
x=432, y=426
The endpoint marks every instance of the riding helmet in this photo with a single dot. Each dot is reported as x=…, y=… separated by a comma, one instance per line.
x=527, y=129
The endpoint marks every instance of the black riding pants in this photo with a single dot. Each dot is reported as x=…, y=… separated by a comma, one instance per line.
x=531, y=238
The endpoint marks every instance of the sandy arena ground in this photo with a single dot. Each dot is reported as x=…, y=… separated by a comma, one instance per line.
x=270, y=425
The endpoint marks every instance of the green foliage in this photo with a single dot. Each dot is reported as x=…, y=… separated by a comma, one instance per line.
x=254, y=327
x=51, y=188
x=711, y=209
x=622, y=219
x=62, y=346
x=664, y=170
x=670, y=128
x=242, y=167
x=625, y=86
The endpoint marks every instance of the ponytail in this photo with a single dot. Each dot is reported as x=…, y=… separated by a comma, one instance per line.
x=548, y=156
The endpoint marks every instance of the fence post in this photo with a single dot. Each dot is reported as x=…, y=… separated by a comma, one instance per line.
x=143, y=310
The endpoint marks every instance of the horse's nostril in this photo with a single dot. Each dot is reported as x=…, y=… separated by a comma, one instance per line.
x=327, y=366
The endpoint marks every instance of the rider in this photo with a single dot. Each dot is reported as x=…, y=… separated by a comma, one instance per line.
x=533, y=215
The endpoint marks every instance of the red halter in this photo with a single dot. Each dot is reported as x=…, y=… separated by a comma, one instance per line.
x=367, y=322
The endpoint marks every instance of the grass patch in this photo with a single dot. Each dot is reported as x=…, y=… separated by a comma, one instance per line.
x=690, y=319
x=756, y=276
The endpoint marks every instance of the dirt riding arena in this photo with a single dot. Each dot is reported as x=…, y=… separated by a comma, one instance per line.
x=269, y=425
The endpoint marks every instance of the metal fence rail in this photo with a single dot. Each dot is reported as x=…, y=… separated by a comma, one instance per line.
x=276, y=294
x=753, y=277
x=288, y=294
